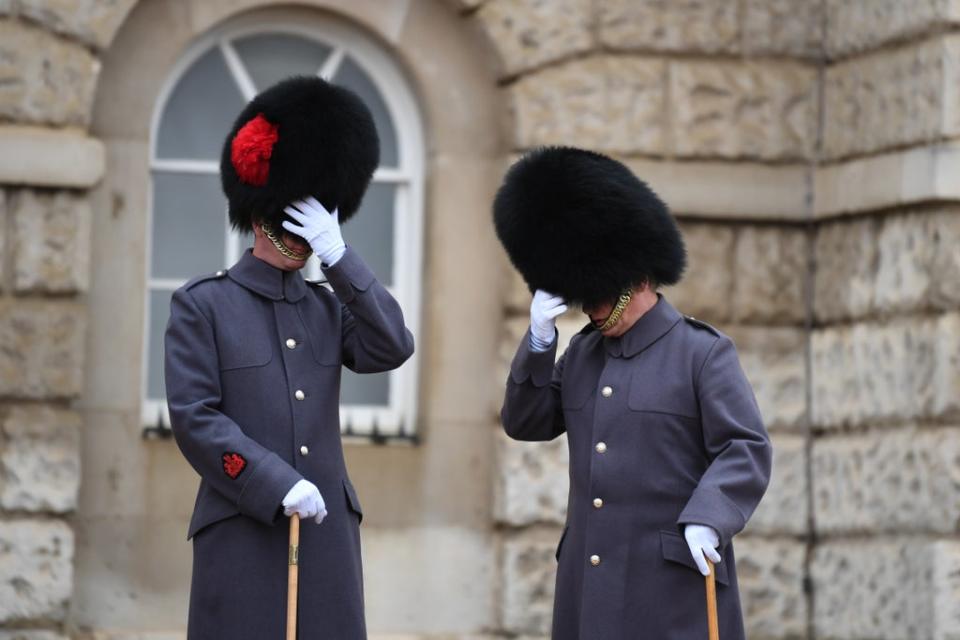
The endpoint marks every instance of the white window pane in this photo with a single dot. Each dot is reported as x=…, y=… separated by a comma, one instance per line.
x=350, y=75
x=189, y=225
x=370, y=232
x=159, y=314
x=271, y=57
x=365, y=389
x=198, y=115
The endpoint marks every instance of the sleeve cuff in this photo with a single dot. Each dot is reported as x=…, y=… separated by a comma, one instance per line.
x=266, y=487
x=534, y=365
x=711, y=507
x=349, y=275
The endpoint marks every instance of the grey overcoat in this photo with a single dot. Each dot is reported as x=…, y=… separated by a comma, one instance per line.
x=663, y=430
x=253, y=358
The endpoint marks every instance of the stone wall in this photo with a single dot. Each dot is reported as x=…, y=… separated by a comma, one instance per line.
x=885, y=344
x=48, y=72
x=806, y=148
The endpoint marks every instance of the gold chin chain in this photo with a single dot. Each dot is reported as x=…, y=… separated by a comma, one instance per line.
x=618, y=310
x=282, y=248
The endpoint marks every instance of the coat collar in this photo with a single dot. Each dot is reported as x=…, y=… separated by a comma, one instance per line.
x=651, y=326
x=270, y=282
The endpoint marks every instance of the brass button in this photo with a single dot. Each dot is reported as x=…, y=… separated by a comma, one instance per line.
x=601, y=447
x=221, y=273
x=299, y=394
x=594, y=560
x=291, y=343
x=606, y=392
x=597, y=503
x=304, y=450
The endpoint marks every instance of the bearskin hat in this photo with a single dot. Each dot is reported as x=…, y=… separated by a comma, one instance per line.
x=301, y=137
x=580, y=225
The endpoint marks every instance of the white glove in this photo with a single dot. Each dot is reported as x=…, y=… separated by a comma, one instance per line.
x=703, y=541
x=543, y=319
x=304, y=498
x=318, y=227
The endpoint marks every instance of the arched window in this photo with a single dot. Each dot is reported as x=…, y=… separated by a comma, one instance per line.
x=190, y=234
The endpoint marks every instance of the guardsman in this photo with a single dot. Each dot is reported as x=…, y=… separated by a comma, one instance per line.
x=253, y=362
x=668, y=453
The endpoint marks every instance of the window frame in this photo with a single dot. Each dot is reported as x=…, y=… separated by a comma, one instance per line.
x=366, y=423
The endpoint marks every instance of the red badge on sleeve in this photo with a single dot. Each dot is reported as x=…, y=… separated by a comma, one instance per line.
x=233, y=464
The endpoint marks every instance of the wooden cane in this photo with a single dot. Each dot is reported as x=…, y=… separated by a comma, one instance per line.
x=293, y=577
x=713, y=627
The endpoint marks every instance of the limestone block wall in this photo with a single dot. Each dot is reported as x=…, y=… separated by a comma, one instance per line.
x=48, y=72
x=885, y=339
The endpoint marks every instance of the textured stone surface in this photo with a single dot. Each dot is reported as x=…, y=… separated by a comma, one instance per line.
x=919, y=261
x=41, y=348
x=705, y=291
x=845, y=256
x=669, y=25
x=770, y=574
x=44, y=79
x=886, y=373
x=51, y=242
x=40, y=459
x=782, y=27
x=743, y=109
x=715, y=189
x=613, y=104
x=36, y=569
x=532, y=482
x=902, y=480
x=891, y=98
x=784, y=508
x=774, y=360
x=909, y=177
x=887, y=589
x=528, y=33
x=858, y=25
x=896, y=264
x=30, y=634
x=770, y=275
x=49, y=158
x=4, y=212
x=529, y=571
x=91, y=21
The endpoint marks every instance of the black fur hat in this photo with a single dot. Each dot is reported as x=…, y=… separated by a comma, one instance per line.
x=303, y=136
x=580, y=225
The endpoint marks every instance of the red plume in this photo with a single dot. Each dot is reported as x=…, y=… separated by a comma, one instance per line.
x=251, y=149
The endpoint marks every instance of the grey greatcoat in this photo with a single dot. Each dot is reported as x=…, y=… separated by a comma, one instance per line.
x=253, y=359
x=663, y=430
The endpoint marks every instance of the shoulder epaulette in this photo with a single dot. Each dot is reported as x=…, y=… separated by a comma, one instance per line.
x=701, y=324
x=210, y=276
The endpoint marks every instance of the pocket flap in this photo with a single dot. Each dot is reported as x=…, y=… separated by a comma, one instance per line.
x=675, y=549
x=352, y=501
x=246, y=353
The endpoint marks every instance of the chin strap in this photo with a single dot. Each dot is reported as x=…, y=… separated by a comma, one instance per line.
x=282, y=248
x=618, y=310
